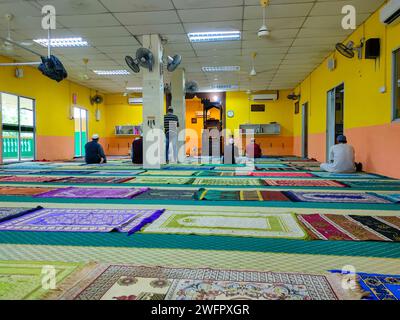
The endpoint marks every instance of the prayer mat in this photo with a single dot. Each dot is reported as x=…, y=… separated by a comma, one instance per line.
x=23, y=280
x=161, y=180
x=93, y=193
x=273, y=196
x=351, y=227
x=228, y=182
x=188, y=168
x=376, y=286
x=373, y=184
x=65, y=173
x=393, y=197
x=125, y=282
x=228, y=174
x=119, y=173
x=217, y=195
x=329, y=175
x=93, y=180
x=30, y=179
x=168, y=173
x=314, y=169
x=210, y=174
x=16, y=172
x=277, y=169
x=304, y=183
x=11, y=213
x=23, y=191
x=259, y=225
x=282, y=174
x=174, y=195
x=83, y=220
x=271, y=165
x=333, y=197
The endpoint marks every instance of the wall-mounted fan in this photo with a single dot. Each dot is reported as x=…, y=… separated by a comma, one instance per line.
x=348, y=49
x=96, y=99
x=144, y=58
x=191, y=87
x=173, y=62
x=294, y=97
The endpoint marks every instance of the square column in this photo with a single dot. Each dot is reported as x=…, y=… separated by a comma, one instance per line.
x=153, y=106
x=179, y=105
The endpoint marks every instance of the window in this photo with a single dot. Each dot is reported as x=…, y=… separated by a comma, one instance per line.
x=396, y=85
x=18, y=124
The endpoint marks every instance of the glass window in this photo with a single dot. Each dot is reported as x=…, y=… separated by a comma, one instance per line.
x=9, y=109
x=396, y=85
x=26, y=112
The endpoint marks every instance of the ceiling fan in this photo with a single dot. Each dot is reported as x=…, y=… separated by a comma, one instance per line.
x=264, y=31
x=126, y=93
x=8, y=45
x=253, y=71
x=85, y=76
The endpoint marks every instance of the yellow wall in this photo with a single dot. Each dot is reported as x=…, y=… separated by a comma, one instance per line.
x=365, y=109
x=55, y=131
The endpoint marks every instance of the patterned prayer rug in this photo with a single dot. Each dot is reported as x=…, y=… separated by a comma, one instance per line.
x=212, y=174
x=351, y=227
x=259, y=225
x=93, y=193
x=228, y=182
x=304, y=183
x=374, y=184
x=329, y=175
x=155, y=195
x=277, y=169
x=124, y=282
x=160, y=180
x=168, y=173
x=11, y=213
x=23, y=191
x=65, y=173
x=23, y=280
x=217, y=195
x=251, y=195
x=93, y=180
x=393, y=197
x=273, y=196
x=314, y=169
x=377, y=286
x=282, y=174
x=83, y=220
x=271, y=165
x=188, y=168
x=335, y=197
x=30, y=179
x=119, y=173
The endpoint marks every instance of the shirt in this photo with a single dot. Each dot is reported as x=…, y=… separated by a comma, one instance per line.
x=94, y=153
x=168, y=118
x=253, y=150
x=137, y=151
x=342, y=157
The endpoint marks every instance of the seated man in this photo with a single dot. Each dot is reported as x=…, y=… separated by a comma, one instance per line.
x=137, y=151
x=253, y=150
x=94, y=151
x=231, y=151
x=341, y=158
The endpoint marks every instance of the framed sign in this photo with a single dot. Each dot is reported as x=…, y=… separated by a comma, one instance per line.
x=297, y=107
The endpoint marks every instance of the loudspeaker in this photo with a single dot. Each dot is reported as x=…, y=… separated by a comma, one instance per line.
x=373, y=48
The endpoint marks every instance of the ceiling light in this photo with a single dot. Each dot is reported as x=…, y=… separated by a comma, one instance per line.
x=264, y=32
x=253, y=72
x=138, y=89
x=221, y=69
x=225, y=86
x=111, y=72
x=215, y=36
x=62, y=42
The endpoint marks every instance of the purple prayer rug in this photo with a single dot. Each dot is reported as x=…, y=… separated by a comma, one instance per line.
x=93, y=193
x=83, y=220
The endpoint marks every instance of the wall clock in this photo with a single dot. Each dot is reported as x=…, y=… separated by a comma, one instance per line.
x=231, y=114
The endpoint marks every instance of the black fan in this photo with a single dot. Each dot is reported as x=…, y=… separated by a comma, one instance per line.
x=191, y=87
x=133, y=64
x=174, y=62
x=53, y=68
x=293, y=97
x=145, y=58
x=346, y=50
x=97, y=99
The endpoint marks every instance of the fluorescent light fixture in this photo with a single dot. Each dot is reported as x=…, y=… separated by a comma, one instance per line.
x=112, y=72
x=215, y=36
x=225, y=86
x=221, y=69
x=134, y=89
x=62, y=42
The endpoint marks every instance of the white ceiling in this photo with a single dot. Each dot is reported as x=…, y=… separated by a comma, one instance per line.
x=303, y=33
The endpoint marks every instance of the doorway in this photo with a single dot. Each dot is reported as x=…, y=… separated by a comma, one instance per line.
x=81, y=131
x=18, y=128
x=304, y=143
x=335, y=117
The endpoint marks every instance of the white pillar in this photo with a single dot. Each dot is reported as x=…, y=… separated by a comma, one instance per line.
x=153, y=106
x=179, y=105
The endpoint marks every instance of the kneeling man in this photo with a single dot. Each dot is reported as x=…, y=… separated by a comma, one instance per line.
x=341, y=157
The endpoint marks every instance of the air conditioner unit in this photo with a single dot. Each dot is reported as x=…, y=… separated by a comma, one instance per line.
x=390, y=13
x=135, y=101
x=265, y=97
